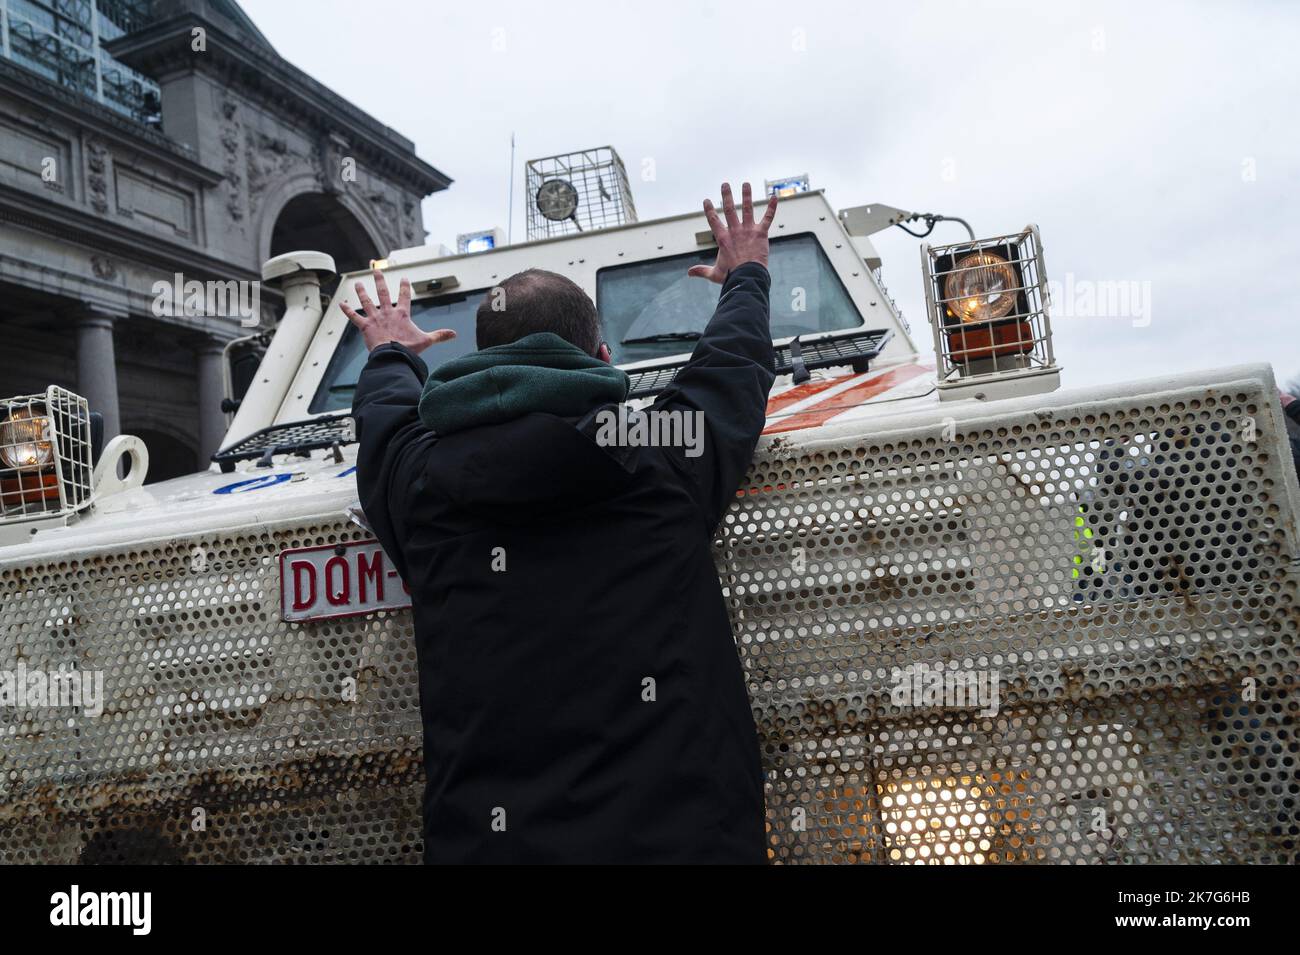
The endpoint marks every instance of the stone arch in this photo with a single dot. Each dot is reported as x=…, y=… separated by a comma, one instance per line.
x=169, y=456
x=348, y=225
x=173, y=452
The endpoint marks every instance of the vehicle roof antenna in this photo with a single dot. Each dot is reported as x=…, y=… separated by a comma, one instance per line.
x=510, y=204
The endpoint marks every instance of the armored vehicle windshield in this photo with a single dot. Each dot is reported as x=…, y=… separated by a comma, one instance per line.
x=649, y=309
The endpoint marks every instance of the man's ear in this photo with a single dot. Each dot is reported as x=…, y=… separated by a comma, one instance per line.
x=603, y=353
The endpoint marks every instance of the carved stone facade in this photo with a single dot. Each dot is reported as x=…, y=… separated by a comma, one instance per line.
x=253, y=158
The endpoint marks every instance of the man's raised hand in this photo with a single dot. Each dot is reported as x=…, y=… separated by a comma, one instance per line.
x=742, y=239
x=389, y=321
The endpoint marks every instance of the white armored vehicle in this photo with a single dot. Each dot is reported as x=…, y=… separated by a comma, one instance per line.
x=983, y=620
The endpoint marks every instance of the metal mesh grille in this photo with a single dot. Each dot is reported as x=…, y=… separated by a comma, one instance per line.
x=226, y=735
x=1147, y=705
x=651, y=381
x=1121, y=574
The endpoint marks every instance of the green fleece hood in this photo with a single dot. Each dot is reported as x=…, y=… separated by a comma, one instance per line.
x=540, y=372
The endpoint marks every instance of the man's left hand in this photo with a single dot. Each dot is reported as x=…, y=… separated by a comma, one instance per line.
x=741, y=240
x=391, y=321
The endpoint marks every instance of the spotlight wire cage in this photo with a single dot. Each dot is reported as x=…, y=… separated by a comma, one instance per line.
x=597, y=176
x=1000, y=335
x=46, y=466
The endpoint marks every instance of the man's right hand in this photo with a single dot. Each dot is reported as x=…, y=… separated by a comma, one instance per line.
x=741, y=240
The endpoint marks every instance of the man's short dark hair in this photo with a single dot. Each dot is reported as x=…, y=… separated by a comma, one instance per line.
x=536, y=300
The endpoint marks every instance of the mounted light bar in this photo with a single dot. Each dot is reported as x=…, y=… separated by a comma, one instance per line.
x=789, y=186
x=485, y=241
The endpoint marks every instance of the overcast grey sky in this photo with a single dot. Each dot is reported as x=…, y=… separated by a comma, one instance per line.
x=1152, y=142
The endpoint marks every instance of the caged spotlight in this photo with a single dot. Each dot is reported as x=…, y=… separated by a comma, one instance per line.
x=987, y=303
x=45, y=455
x=582, y=191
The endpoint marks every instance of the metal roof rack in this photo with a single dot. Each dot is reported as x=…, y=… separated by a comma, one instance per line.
x=795, y=358
x=292, y=437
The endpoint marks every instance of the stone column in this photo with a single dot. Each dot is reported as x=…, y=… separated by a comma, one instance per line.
x=97, y=368
x=212, y=388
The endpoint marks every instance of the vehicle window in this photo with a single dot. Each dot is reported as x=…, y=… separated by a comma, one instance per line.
x=658, y=301
x=454, y=311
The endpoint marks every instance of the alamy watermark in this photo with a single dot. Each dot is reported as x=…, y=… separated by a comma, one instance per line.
x=23, y=688
x=78, y=907
x=656, y=428
x=920, y=686
x=1086, y=298
x=182, y=298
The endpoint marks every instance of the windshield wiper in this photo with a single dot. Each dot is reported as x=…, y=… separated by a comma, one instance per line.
x=665, y=337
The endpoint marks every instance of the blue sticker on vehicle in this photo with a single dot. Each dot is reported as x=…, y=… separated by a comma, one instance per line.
x=253, y=484
x=350, y=470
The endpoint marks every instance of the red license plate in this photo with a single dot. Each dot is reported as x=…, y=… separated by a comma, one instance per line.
x=339, y=580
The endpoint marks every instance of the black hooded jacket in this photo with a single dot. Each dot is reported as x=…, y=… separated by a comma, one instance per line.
x=581, y=692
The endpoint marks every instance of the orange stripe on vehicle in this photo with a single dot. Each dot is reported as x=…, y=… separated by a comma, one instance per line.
x=799, y=392
x=851, y=397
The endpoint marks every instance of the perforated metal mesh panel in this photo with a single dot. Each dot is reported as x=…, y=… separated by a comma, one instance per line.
x=226, y=735
x=1121, y=573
